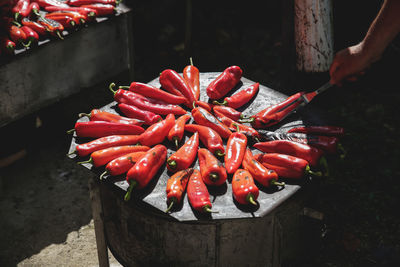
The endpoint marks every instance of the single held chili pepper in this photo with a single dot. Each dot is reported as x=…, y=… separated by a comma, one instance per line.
x=185, y=155
x=102, y=10
x=46, y=3
x=7, y=45
x=122, y=164
x=31, y=36
x=211, y=169
x=329, y=144
x=17, y=35
x=154, y=92
x=157, y=132
x=133, y=112
x=85, y=149
x=21, y=9
x=244, y=190
x=176, y=186
x=207, y=106
x=240, y=98
x=276, y=113
x=89, y=2
x=224, y=83
x=145, y=169
x=197, y=192
x=101, y=115
x=104, y=156
x=52, y=26
x=34, y=25
x=171, y=81
x=131, y=98
x=229, y=112
x=191, y=75
x=210, y=138
x=312, y=155
x=259, y=172
x=320, y=130
x=176, y=133
x=95, y=129
x=235, y=150
x=88, y=12
x=285, y=165
x=203, y=117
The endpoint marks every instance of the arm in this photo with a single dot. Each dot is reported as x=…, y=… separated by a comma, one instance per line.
x=348, y=63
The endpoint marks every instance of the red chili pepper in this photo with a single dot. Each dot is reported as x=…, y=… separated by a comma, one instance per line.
x=212, y=170
x=260, y=173
x=176, y=186
x=102, y=10
x=154, y=92
x=235, y=150
x=36, y=26
x=101, y=115
x=31, y=35
x=131, y=98
x=285, y=165
x=210, y=138
x=203, y=117
x=147, y=117
x=34, y=7
x=85, y=149
x=312, y=155
x=76, y=17
x=145, y=169
x=17, y=35
x=244, y=189
x=225, y=82
x=157, y=132
x=6, y=45
x=205, y=105
x=122, y=164
x=192, y=77
x=52, y=26
x=276, y=113
x=55, y=3
x=185, y=155
x=176, y=133
x=95, y=129
x=88, y=12
x=90, y=2
x=104, y=156
x=320, y=130
x=229, y=112
x=67, y=22
x=197, y=192
x=21, y=9
x=171, y=81
x=240, y=98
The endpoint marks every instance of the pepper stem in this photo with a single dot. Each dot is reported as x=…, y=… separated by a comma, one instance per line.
x=219, y=153
x=214, y=177
x=309, y=171
x=80, y=115
x=243, y=117
x=123, y=87
x=91, y=14
x=28, y=44
x=206, y=208
x=173, y=200
x=251, y=200
x=72, y=23
x=59, y=35
x=111, y=87
x=215, y=102
x=72, y=153
x=237, y=127
x=191, y=61
x=90, y=160
x=16, y=16
x=128, y=194
x=71, y=131
x=82, y=21
x=194, y=104
x=247, y=119
x=342, y=151
x=171, y=163
x=176, y=141
x=275, y=182
x=103, y=174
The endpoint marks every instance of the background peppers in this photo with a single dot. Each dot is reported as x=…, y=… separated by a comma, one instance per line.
x=176, y=186
x=185, y=156
x=211, y=169
x=198, y=195
x=224, y=83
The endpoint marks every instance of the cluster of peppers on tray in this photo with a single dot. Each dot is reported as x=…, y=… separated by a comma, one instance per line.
x=133, y=141
x=23, y=23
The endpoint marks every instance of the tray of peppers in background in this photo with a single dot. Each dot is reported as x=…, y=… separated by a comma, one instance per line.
x=24, y=23
x=132, y=142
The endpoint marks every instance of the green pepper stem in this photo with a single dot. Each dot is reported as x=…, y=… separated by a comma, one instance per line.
x=128, y=194
x=16, y=16
x=72, y=23
x=215, y=102
x=237, y=127
x=194, y=104
x=173, y=200
x=219, y=153
x=275, y=182
x=123, y=87
x=90, y=160
x=59, y=35
x=91, y=14
x=172, y=164
x=176, y=141
x=82, y=21
x=80, y=115
x=247, y=119
x=206, y=208
x=72, y=153
x=243, y=117
x=250, y=199
x=111, y=87
x=28, y=44
x=309, y=171
x=342, y=151
x=214, y=177
x=103, y=174
x=71, y=131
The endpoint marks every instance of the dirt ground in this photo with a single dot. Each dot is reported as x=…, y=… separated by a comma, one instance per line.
x=44, y=201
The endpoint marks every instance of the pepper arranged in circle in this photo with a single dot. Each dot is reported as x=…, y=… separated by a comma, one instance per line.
x=198, y=195
x=244, y=190
x=211, y=169
x=185, y=156
x=176, y=186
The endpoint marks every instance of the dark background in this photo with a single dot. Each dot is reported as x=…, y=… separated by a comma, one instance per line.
x=360, y=198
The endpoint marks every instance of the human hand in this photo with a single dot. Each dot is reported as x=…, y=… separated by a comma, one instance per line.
x=349, y=63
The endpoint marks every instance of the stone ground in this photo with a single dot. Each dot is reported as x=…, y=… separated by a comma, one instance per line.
x=44, y=201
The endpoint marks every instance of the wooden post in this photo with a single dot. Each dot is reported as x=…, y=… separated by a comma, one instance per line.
x=313, y=31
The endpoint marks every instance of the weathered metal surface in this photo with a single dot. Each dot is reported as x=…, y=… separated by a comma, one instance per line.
x=140, y=233
x=313, y=30
x=37, y=77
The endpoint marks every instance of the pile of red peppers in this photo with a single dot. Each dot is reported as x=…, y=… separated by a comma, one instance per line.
x=23, y=23
x=133, y=141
